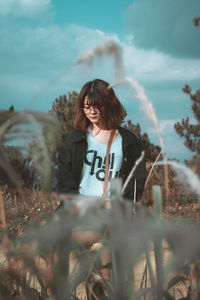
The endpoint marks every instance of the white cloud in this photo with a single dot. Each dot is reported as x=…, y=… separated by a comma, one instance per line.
x=167, y=126
x=36, y=55
x=31, y=57
x=43, y=51
x=151, y=65
x=24, y=8
x=67, y=44
x=55, y=47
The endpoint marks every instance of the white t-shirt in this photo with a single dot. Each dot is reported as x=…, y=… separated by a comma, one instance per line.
x=92, y=182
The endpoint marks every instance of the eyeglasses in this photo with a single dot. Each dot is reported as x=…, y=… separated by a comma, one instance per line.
x=90, y=108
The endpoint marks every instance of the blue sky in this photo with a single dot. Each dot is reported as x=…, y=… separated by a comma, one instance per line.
x=160, y=44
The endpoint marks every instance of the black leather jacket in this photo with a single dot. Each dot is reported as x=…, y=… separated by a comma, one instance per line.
x=73, y=152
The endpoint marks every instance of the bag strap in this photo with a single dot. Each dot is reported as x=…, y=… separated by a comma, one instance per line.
x=105, y=190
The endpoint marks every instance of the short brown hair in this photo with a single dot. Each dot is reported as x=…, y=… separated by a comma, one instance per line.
x=101, y=95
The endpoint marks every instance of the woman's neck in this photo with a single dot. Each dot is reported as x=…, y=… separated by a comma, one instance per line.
x=95, y=127
x=95, y=130
x=100, y=134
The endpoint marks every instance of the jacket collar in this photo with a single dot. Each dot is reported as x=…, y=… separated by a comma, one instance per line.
x=128, y=136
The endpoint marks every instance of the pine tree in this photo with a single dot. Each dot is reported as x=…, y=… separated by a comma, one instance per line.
x=191, y=132
x=27, y=174
x=63, y=109
x=12, y=160
x=5, y=115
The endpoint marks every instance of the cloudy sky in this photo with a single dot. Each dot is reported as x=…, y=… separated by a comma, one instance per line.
x=160, y=49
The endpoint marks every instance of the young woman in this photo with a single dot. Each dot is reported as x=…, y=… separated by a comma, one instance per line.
x=82, y=157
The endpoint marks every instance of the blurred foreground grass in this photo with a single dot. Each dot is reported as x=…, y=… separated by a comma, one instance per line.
x=152, y=257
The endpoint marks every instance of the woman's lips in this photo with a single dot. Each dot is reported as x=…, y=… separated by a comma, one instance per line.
x=93, y=117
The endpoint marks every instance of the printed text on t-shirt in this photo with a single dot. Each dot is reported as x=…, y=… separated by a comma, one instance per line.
x=97, y=164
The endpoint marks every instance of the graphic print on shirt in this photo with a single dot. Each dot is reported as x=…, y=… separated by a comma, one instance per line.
x=97, y=165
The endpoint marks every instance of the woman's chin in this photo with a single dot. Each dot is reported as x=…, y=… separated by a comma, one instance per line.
x=94, y=120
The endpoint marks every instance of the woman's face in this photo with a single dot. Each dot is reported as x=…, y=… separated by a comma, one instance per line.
x=92, y=112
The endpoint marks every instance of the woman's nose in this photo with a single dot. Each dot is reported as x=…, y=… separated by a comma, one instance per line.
x=92, y=109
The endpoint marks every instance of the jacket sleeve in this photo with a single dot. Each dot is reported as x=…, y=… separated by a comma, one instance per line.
x=140, y=178
x=136, y=180
x=66, y=181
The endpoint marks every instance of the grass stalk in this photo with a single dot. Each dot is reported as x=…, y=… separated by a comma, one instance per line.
x=158, y=243
x=151, y=275
x=2, y=211
x=157, y=200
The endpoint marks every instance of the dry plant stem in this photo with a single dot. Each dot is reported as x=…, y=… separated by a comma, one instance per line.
x=41, y=141
x=153, y=165
x=2, y=211
x=130, y=176
x=150, y=268
x=166, y=176
x=106, y=48
x=91, y=292
x=191, y=177
x=146, y=105
x=158, y=243
x=109, y=47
